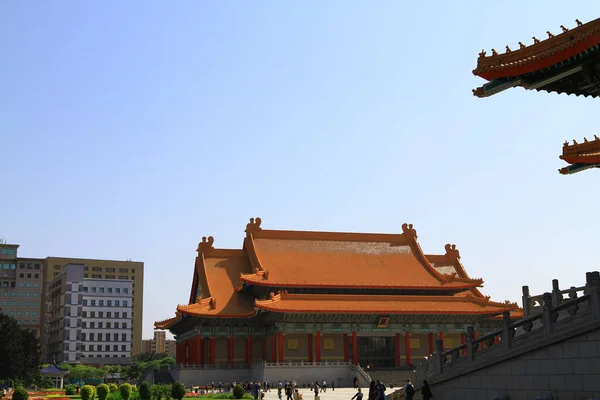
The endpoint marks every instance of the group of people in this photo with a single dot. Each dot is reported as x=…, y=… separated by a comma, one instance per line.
x=377, y=391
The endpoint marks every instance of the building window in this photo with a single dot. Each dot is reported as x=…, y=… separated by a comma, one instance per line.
x=124, y=303
x=123, y=337
x=123, y=270
x=100, y=314
x=100, y=327
x=108, y=326
x=109, y=303
x=101, y=290
x=108, y=314
x=37, y=276
x=124, y=315
x=92, y=326
x=93, y=314
x=109, y=269
x=101, y=303
x=125, y=290
x=96, y=269
x=123, y=277
x=116, y=337
x=117, y=290
x=96, y=276
x=115, y=347
x=123, y=347
x=56, y=266
x=21, y=275
x=117, y=303
x=93, y=303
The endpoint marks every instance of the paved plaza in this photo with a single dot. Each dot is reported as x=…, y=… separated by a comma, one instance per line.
x=337, y=394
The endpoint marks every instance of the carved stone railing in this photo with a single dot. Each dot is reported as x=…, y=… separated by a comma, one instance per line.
x=535, y=304
x=519, y=335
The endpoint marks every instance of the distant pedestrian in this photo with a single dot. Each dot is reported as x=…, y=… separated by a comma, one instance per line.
x=409, y=390
x=426, y=391
x=358, y=395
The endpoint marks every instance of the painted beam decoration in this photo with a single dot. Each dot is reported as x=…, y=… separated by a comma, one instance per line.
x=565, y=62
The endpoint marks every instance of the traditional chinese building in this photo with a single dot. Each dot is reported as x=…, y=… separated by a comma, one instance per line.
x=566, y=62
x=316, y=297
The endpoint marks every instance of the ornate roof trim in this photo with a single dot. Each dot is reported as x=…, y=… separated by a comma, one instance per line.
x=271, y=304
x=539, y=55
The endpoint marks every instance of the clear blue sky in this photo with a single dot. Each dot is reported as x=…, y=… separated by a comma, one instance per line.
x=132, y=129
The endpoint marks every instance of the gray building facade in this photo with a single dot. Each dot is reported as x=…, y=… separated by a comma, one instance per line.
x=88, y=321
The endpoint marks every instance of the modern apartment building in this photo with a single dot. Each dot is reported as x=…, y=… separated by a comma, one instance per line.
x=88, y=320
x=109, y=272
x=160, y=344
x=21, y=282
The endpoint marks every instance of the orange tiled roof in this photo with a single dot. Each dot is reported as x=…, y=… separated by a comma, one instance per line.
x=358, y=260
x=449, y=264
x=541, y=54
x=219, y=271
x=167, y=323
x=365, y=304
x=587, y=152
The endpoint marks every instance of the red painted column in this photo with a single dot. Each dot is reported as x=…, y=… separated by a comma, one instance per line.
x=354, y=348
x=198, y=350
x=186, y=348
x=191, y=353
x=430, y=337
x=318, y=346
x=230, y=350
x=407, y=345
x=345, y=347
x=249, y=350
x=274, y=348
x=281, y=347
x=442, y=339
x=178, y=353
x=213, y=343
x=310, y=348
x=397, y=350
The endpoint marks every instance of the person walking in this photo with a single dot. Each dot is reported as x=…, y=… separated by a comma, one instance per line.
x=372, y=391
x=426, y=391
x=358, y=395
x=409, y=390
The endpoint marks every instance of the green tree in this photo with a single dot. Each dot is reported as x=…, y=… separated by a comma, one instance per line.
x=102, y=391
x=238, y=391
x=19, y=352
x=113, y=388
x=125, y=391
x=177, y=390
x=144, y=390
x=87, y=392
x=20, y=393
x=70, y=390
x=148, y=356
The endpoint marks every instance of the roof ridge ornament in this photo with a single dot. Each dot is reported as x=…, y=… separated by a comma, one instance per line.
x=205, y=247
x=409, y=231
x=254, y=225
x=451, y=251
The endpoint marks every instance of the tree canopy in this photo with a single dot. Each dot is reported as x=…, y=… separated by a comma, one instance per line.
x=19, y=351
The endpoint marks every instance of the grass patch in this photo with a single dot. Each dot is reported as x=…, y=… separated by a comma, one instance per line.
x=56, y=396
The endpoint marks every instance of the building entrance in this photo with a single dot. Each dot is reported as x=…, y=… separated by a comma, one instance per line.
x=376, y=351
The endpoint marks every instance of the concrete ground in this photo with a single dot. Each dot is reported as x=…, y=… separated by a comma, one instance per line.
x=337, y=394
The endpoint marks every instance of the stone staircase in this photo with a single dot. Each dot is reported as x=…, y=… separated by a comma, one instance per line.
x=395, y=376
x=560, y=329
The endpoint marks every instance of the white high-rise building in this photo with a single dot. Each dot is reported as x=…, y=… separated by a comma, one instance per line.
x=88, y=321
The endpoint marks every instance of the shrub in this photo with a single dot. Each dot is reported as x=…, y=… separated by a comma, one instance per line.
x=20, y=393
x=144, y=390
x=238, y=391
x=177, y=390
x=87, y=392
x=113, y=388
x=70, y=390
x=125, y=391
x=102, y=391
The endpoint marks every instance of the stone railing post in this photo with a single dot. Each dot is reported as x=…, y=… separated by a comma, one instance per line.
x=439, y=359
x=469, y=343
x=592, y=282
x=525, y=300
x=506, y=331
x=556, y=296
x=547, y=313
